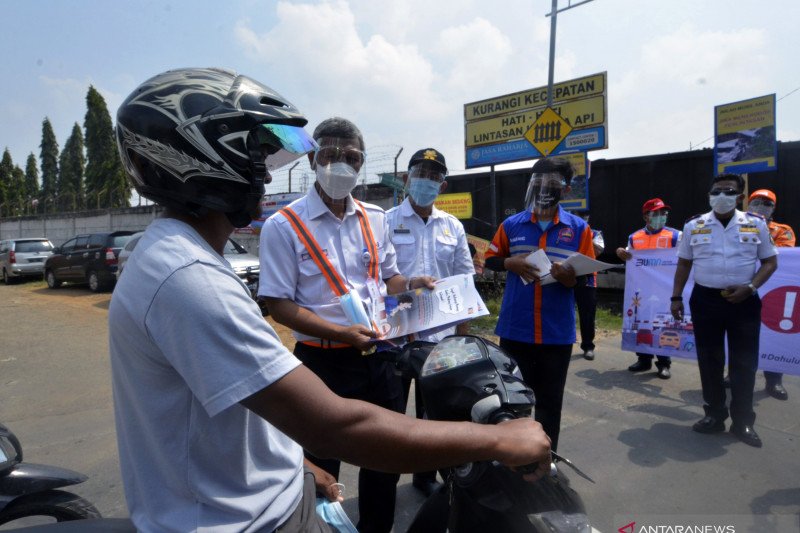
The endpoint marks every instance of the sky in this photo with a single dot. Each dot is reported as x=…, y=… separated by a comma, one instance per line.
x=402, y=70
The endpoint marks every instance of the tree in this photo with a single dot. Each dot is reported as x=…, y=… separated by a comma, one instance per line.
x=6, y=171
x=31, y=182
x=16, y=197
x=106, y=182
x=72, y=164
x=49, y=158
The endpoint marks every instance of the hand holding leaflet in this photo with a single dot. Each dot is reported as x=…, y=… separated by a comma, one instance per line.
x=580, y=263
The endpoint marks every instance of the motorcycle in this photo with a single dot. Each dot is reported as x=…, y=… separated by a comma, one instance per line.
x=28, y=490
x=465, y=378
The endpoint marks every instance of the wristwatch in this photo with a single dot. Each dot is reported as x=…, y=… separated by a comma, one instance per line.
x=752, y=287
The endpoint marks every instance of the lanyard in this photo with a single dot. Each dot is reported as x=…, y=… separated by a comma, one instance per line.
x=330, y=273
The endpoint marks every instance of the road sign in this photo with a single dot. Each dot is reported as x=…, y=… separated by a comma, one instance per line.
x=548, y=131
x=495, y=128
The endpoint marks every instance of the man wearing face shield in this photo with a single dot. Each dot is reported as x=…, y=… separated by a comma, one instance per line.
x=762, y=202
x=354, y=237
x=723, y=248
x=537, y=322
x=428, y=242
x=655, y=234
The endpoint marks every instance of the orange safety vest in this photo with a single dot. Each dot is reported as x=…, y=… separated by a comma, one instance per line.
x=782, y=234
x=335, y=281
x=641, y=240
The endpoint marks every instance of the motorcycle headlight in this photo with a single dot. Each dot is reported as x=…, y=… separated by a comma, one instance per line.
x=453, y=352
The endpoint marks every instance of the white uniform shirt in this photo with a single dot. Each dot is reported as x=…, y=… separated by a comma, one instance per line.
x=437, y=248
x=725, y=255
x=287, y=270
x=187, y=345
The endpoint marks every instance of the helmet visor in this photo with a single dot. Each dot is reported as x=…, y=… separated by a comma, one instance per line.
x=283, y=143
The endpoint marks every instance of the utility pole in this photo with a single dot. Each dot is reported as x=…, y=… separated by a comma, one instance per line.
x=394, y=200
x=554, y=11
x=290, y=176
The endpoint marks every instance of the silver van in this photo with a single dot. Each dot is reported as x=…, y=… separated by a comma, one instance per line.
x=23, y=257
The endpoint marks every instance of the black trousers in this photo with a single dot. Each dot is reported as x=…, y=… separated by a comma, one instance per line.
x=544, y=368
x=714, y=319
x=350, y=375
x=662, y=361
x=586, y=300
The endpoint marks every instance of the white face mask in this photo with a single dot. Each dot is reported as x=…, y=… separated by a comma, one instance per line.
x=337, y=179
x=722, y=204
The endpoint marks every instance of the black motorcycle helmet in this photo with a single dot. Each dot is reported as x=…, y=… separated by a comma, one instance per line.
x=201, y=139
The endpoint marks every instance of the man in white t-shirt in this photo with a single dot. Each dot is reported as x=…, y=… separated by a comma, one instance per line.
x=211, y=411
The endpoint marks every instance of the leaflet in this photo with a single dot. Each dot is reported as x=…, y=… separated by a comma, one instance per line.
x=580, y=263
x=453, y=300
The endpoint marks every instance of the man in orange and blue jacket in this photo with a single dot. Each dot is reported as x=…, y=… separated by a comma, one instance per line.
x=537, y=321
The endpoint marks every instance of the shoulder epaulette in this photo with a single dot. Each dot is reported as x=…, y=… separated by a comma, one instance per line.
x=751, y=214
x=693, y=217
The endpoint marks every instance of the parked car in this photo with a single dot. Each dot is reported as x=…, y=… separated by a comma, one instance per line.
x=125, y=253
x=89, y=258
x=242, y=261
x=23, y=257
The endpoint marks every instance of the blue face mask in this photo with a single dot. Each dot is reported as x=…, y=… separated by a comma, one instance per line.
x=334, y=515
x=423, y=191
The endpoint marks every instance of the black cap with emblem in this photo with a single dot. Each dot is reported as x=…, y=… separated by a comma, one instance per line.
x=428, y=154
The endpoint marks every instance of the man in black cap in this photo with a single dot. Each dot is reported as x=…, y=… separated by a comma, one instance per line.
x=428, y=242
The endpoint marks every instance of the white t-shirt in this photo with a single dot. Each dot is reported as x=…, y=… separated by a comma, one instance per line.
x=187, y=345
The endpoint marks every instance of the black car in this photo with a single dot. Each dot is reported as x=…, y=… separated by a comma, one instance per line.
x=89, y=258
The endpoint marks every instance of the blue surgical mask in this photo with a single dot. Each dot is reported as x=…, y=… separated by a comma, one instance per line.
x=334, y=515
x=423, y=191
x=657, y=222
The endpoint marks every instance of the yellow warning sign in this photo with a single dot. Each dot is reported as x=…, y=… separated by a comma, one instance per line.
x=548, y=131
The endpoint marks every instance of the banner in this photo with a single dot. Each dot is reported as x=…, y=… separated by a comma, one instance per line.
x=648, y=326
x=481, y=246
x=458, y=204
x=744, y=136
x=270, y=204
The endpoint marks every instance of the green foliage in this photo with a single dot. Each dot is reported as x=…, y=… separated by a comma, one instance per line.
x=49, y=160
x=106, y=182
x=31, y=177
x=605, y=319
x=6, y=169
x=72, y=163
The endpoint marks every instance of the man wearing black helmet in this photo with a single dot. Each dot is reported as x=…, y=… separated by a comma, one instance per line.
x=536, y=325
x=209, y=405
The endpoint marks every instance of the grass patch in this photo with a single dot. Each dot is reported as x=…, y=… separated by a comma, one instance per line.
x=605, y=319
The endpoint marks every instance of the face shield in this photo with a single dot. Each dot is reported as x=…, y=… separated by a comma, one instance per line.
x=544, y=191
x=762, y=206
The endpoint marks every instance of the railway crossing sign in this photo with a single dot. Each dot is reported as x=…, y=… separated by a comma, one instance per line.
x=548, y=131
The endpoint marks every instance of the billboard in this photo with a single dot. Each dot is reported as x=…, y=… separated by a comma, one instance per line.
x=495, y=129
x=744, y=136
x=458, y=204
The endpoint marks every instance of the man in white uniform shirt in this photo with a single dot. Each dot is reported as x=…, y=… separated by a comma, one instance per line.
x=723, y=247
x=428, y=242
x=354, y=237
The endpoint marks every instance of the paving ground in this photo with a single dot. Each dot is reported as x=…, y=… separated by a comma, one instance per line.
x=629, y=432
